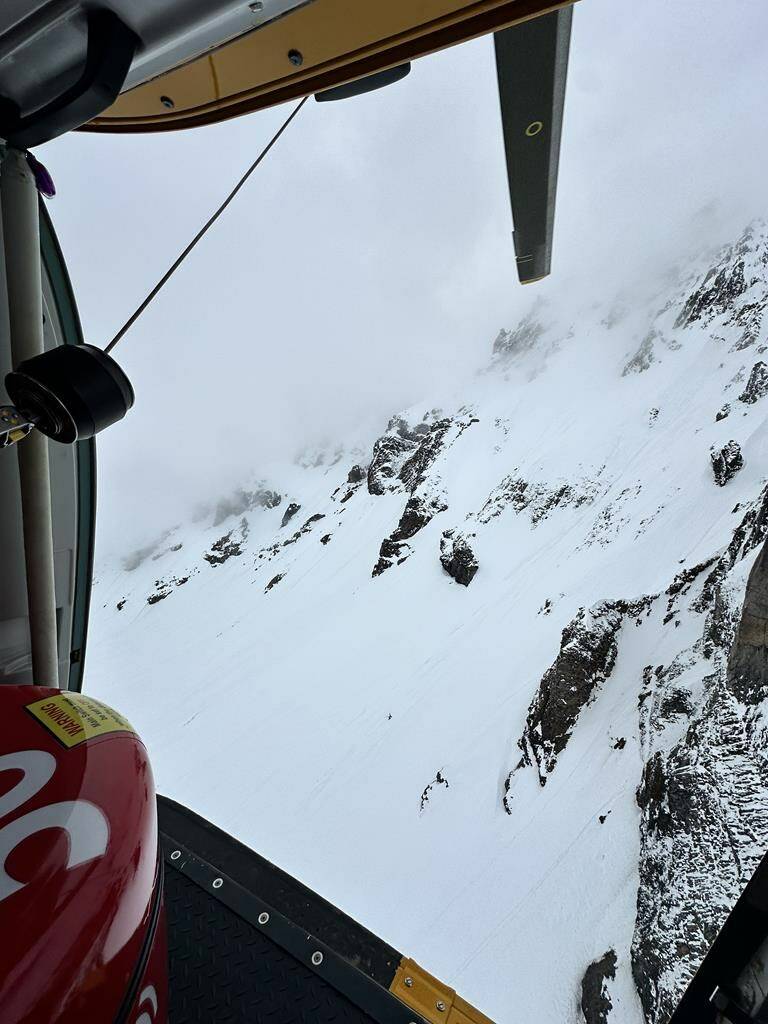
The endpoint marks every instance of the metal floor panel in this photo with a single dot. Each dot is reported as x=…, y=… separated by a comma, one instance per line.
x=222, y=969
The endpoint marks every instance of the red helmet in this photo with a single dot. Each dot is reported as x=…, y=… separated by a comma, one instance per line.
x=81, y=915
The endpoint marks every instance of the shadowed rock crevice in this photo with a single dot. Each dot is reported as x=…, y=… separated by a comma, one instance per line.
x=596, y=1001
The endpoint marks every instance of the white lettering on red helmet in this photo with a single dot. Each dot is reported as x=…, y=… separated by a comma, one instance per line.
x=37, y=765
x=84, y=822
x=147, y=996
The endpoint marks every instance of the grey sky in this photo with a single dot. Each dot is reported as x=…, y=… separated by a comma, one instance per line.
x=369, y=260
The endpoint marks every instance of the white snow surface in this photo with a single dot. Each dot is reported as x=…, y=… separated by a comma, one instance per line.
x=307, y=720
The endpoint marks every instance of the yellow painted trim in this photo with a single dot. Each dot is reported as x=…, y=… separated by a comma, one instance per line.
x=430, y=998
x=340, y=41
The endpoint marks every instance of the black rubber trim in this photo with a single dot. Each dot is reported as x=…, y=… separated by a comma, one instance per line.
x=306, y=948
x=128, y=1004
x=350, y=940
x=85, y=453
x=362, y=85
x=745, y=929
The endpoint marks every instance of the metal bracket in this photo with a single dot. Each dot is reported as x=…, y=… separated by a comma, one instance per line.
x=13, y=426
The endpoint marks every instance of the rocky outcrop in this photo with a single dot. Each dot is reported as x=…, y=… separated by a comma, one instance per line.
x=305, y=528
x=596, y=1001
x=757, y=385
x=726, y=462
x=439, y=780
x=228, y=546
x=703, y=827
x=289, y=513
x=588, y=651
x=245, y=501
x=273, y=582
x=419, y=511
x=723, y=412
x=524, y=337
x=403, y=457
x=457, y=557
x=536, y=498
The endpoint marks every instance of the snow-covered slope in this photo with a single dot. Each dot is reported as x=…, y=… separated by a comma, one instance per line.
x=469, y=678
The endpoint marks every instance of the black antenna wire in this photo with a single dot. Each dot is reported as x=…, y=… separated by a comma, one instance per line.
x=212, y=220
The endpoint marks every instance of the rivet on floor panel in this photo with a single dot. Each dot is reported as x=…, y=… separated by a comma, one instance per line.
x=409, y=982
x=263, y=917
x=176, y=854
x=317, y=958
x=217, y=883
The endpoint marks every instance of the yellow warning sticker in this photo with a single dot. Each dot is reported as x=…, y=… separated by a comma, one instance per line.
x=73, y=718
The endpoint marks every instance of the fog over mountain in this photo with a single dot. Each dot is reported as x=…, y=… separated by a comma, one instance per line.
x=370, y=257
x=481, y=676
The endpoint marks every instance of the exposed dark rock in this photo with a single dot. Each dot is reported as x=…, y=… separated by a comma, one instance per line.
x=715, y=295
x=227, y=547
x=439, y=780
x=306, y=528
x=289, y=513
x=457, y=557
x=588, y=651
x=620, y=743
x=176, y=547
x=602, y=818
x=245, y=501
x=419, y=511
x=389, y=453
x=273, y=582
x=121, y=604
x=748, y=662
x=325, y=539
x=702, y=829
x=722, y=412
x=595, y=998
x=536, y=498
x=414, y=470
x=726, y=462
x=160, y=595
x=757, y=385
x=356, y=475
x=751, y=531
x=403, y=456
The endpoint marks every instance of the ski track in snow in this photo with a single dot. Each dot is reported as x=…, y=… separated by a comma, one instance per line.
x=267, y=709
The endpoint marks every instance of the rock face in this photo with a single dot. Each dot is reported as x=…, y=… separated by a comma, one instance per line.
x=704, y=763
x=289, y=513
x=419, y=511
x=757, y=385
x=457, y=557
x=538, y=499
x=228, y=546
x=588, y=651
x=245, y=501
x=596, y=1001
x=726, y=462
x=523, y=338
x=439, y=780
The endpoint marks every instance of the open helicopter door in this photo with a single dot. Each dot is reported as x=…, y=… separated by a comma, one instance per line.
x=73, y=492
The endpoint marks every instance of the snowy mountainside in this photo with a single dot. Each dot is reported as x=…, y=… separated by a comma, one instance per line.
x=482, y=679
